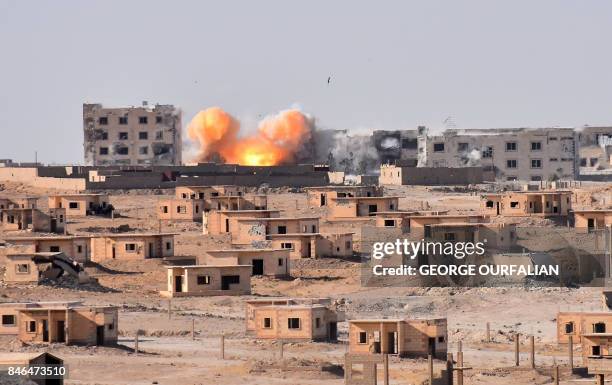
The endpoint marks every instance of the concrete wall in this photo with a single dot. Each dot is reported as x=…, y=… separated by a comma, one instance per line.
x=132, y=247
x=20, y=269
x=279, y=325
x=392, y=175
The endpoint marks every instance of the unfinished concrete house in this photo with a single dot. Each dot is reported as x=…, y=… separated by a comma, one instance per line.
x=355, y=207
x=299, y=235
x=15, y=219
x=404, y=337
x=321, y=196
x=145, y=135
x=208, y=280
x=494, y=235
x=18, y=203
x=595, y=155
x=60, y=322
x=253, y=304
x=528, y=154
x=80, y=205
x=32, y=268
x=578, y=324
x=527, y=203
x=75, y=247
x=270, y=262
x=419, y=224
x=132, y=246
x=218, y=222
x=592, y=220
x=296, y=322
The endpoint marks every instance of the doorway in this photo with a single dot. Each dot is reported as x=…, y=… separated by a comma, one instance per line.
x=258, y=267
x=45, y=330
x=431, y=349
x=53, y=225
x=114, y=254
x=100, y=335
x=227, y=280
x=151, y=254
x=333, y=331
x=591, y=224
x=178, y=284
x=392, y=342
x=61, y=331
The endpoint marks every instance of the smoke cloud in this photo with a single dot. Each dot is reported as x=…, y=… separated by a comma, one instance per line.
x=277, y=140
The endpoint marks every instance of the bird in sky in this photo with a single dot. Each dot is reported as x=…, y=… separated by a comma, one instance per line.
x=328, y=79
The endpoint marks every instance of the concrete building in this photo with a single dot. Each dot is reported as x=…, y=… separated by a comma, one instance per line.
x=529, y=154
x=132, y=246
x=400, y=145
x=217, y=222
x=146, y=135
x=253, y=304
x=321, y=196
x=595, y=155
x=296, y=322
x=399, y=175
x=60, y=322
x=354, y=207
x=32, y=268
x=270, y=262
x=527, y=203
x=191, y=209
x=587, y=220
x=18, y=203
x=80, y=205
x=208, y=280
x=578, y=324
x=419, y=224
x=50, y=221
x=404, y=337
x=207, y=192
x=75, y=247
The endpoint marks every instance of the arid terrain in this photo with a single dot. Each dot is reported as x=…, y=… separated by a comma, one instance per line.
x=170, y=354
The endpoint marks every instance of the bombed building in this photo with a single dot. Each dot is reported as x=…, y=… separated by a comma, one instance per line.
x=145, y=135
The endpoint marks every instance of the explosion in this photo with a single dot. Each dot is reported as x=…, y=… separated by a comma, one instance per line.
x=277, y=140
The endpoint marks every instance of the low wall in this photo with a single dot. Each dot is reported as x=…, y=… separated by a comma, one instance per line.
x=442, y=175
x=29, y=175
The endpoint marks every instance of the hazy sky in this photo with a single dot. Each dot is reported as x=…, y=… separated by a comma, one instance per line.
x=393, y=64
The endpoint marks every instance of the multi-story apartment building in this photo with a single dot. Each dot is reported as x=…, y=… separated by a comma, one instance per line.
x=529, y=154
x=146, y=135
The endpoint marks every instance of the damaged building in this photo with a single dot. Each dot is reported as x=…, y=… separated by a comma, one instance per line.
x=32, y=268
x=144, y=135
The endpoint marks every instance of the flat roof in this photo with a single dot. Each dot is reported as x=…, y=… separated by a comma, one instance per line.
x=38, y=254
x=367, y=198
x=463, y=224
x=296, y=235
x=295, y=306
x=45, y=238
x=451, y=216
x=281, y=218
x=529, y=193
x=593, y=211
x=127, y=235
x=377, y=320
x=268, y=299
x=204, y=266
x=249, y=211
x=250, y=250
x=78, y=195
x=340, y=187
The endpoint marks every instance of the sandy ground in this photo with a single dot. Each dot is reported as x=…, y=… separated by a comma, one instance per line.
x=170, y=355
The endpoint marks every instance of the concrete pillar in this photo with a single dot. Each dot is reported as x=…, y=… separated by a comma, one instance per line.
x=599, y=379
x=532, y=349
x=570, y=352
x=516, y=349
x=459, y=346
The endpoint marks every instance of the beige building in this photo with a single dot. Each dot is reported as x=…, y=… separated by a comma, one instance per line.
x=353, y=207
x=208, y=280
x=270, y=262
x=80, y=205
x=321, y=196
x=75, y=247
x=528, y=154
x=527, y=203
x=191, y=209
x=146, y=135
x=51, y=221
x=18, y=203
x=296, y=322
x=404, y=337
x=591, y=220
x=219, y=222
x=132, y=246
x=31, y=268
x=578, y=324
x=419, y=224
x=253, y=304
x=60, y=322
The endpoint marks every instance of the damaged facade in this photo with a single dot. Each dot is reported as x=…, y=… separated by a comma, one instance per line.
x=146, y=135
x=32, y=268
x=80, y=205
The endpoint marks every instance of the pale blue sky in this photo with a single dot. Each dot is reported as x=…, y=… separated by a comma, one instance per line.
x=394, y=64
